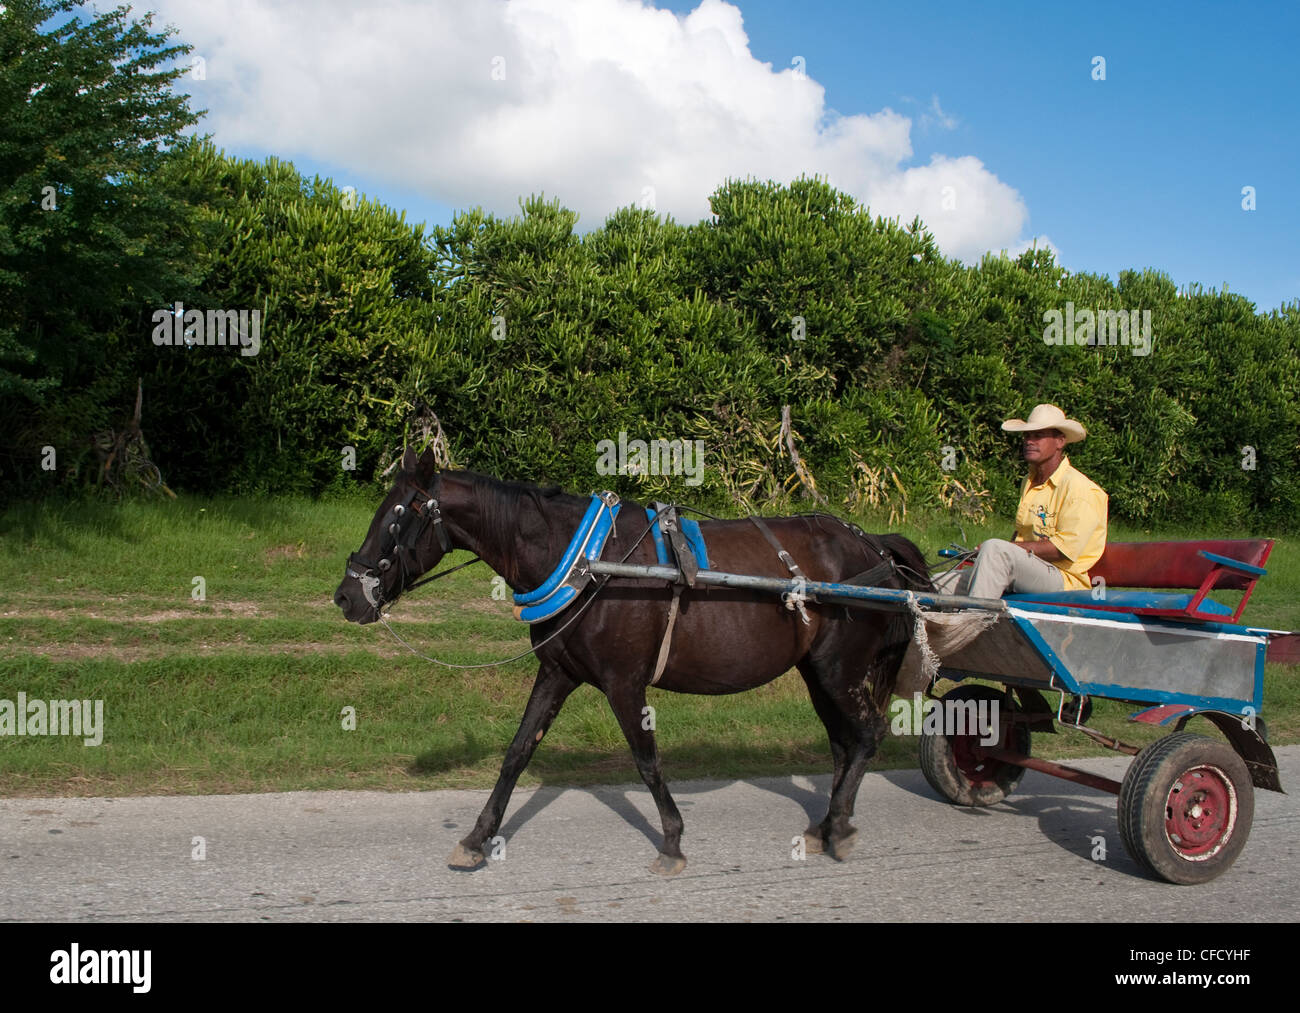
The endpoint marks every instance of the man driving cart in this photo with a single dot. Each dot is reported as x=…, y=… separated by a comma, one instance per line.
x=1060, y=522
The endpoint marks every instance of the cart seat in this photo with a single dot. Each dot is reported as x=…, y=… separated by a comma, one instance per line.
x=1203, y=566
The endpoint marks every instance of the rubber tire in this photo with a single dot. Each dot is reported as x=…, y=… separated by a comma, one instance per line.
x=939, y=763
x=1144, y=796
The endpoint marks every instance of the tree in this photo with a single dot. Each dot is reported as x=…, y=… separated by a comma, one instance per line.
x=341, y=285
x=87, y=237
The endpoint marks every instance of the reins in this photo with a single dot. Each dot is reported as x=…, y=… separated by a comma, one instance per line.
x=450, y=569
x=887, y=560
x=600, y=586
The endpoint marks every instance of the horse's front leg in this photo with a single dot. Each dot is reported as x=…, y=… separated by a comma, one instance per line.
x=551, y=688
x=628, y=704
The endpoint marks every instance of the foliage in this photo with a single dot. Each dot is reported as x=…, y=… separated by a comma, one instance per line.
x=343, y=288
x=538, y=347
x=86, y=232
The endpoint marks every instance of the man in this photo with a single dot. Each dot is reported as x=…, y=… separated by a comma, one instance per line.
x=1060, y=523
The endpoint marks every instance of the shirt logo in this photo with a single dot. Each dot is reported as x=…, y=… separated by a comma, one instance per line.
x=1045, y=521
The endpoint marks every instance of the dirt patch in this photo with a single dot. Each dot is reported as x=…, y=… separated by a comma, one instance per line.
x=485, y=606
x=160, y=617
x=492, y=650
x=286, y=552
x=134, y=609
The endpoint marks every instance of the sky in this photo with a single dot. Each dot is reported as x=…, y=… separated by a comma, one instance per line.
x=1120, y=135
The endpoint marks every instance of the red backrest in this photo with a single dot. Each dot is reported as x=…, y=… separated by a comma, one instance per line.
x=1177, y=564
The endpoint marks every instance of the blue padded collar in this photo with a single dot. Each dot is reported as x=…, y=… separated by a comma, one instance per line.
x=556, y=591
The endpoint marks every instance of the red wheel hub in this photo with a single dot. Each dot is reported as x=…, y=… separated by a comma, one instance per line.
x=1200, y=812
x=977, y=768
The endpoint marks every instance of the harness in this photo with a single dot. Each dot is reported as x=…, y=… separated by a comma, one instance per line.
x=681, y=539
x=406, y=533
x=554, y=592
x=689, y=557
x=566, y=581
x=794, y=600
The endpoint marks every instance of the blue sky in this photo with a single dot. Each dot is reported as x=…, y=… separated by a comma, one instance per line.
x=1142, y=169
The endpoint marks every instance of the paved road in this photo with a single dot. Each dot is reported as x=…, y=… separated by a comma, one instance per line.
x=582, y=854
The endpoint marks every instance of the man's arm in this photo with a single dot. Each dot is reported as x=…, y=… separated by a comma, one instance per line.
x=1079, y=518
x=1043, y=549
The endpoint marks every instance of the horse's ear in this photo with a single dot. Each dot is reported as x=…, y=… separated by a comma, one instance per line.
x=410, y=463
x=429, y=461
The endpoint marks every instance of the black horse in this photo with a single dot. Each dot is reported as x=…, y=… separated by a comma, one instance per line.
x=725, y=640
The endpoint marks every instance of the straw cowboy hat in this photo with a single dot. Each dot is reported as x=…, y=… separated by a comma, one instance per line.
x=1047, y=416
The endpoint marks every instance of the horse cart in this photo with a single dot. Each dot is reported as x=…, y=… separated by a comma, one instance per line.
x=1185, y=805
x=1186, y=802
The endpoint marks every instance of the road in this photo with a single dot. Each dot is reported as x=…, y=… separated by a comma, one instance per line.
x=582, y=854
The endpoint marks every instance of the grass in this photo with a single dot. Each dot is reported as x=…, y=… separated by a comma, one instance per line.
x=247, y=689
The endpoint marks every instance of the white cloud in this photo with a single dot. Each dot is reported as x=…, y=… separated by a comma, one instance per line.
x=1041, y=242
x=935, y=114
x=966, y=207
x=601, y=99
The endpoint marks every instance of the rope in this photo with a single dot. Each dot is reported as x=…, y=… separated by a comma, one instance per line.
x=493, y=664
x=452, y=569
x=921, y=638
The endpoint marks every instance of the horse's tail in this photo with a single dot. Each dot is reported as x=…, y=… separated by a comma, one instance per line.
x=912, y=571
x=909, y=562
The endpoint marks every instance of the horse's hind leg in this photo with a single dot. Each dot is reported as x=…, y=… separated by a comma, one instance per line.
x=867, y=734
x=861, y=727
x=628, y=704
x=551, y=688
x=818, y=834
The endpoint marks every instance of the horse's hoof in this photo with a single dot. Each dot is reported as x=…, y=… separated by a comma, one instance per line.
x=667, y=865
x=812, y=842
x=840, y=847
x=465, y=858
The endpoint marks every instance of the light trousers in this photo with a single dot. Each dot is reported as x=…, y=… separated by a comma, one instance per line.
x=1002, y=566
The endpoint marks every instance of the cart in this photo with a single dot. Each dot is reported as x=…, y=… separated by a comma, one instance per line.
x=1187, y=801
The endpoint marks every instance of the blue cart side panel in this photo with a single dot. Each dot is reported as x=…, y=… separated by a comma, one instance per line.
x=1116, y=655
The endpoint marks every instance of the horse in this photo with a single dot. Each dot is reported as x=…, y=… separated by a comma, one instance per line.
x=726, y=640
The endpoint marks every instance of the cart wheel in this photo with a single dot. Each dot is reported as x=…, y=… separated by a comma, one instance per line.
x=1185, y=808
x=950, y=765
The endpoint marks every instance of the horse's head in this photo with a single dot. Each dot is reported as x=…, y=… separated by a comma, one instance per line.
x=396, y=550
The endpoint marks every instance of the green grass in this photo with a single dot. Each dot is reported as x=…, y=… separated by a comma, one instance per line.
x=245, y=691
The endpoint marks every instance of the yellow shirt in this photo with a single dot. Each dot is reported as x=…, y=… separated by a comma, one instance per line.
x=1069, y=510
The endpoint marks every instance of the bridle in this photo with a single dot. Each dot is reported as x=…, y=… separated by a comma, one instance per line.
x=406, y=533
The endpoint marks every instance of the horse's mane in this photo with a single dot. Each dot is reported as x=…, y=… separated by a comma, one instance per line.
x=489, y=487
x=500, y=500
